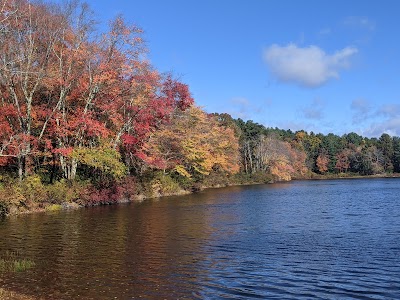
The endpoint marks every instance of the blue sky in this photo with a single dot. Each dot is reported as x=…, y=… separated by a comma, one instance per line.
x=323, y=66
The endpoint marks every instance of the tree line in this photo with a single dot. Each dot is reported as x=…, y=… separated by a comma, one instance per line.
x=306, y=152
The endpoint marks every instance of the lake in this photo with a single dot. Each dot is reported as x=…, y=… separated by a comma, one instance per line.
x=330, y=239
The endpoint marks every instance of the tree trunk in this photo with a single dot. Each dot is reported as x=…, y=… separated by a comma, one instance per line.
x=69, y=167
x=74, y=166
x=20, y=168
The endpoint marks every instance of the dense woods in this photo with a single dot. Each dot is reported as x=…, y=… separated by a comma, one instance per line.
x=311, y=154
x=86, y=119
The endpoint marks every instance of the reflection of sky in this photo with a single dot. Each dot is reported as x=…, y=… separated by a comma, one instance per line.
x=282, y=238
x=311, y=239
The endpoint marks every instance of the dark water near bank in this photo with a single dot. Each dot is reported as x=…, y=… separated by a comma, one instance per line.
x=301, y=240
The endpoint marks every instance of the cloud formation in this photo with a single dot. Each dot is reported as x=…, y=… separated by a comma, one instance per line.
x=308, y=66
x=390, y=126
x=376, y=120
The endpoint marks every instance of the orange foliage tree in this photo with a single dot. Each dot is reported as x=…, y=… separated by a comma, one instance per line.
x=322, y=163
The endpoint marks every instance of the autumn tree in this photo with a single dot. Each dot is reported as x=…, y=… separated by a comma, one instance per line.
x=298, y=161
x=322, y=163
x=146, y=113
x=309, y=143
x=371, y=161
x=29, y=33
x=342, y=161
x=275, y=157
x=193, y=145
x=96, y=81
x=65, y=90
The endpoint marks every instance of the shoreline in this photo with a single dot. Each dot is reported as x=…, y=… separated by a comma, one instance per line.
x=350, y=176
x=158, y=195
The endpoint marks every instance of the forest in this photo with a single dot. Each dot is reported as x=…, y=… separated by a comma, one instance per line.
x=85, y=119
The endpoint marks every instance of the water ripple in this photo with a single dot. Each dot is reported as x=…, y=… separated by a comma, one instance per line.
x=303, y=240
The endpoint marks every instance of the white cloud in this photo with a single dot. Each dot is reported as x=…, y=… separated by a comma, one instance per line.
x=309, y=66
x=376, y=120
x=390, y=126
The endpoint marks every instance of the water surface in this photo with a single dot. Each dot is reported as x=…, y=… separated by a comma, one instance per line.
x=300, y=240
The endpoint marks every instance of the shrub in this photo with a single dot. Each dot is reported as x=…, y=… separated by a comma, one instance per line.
x=185, y=183
x=261, y=177
x=11, y=197
x=258, y=177
x=33, y=190
x=216, y=178
x=167, y=184
x=128, y=188
x=65, y=191
x=100, y=194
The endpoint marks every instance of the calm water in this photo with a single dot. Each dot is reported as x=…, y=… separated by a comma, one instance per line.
x=301, y=240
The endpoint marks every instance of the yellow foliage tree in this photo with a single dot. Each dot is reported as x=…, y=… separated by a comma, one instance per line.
x=103, y=158
x=194, y=143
